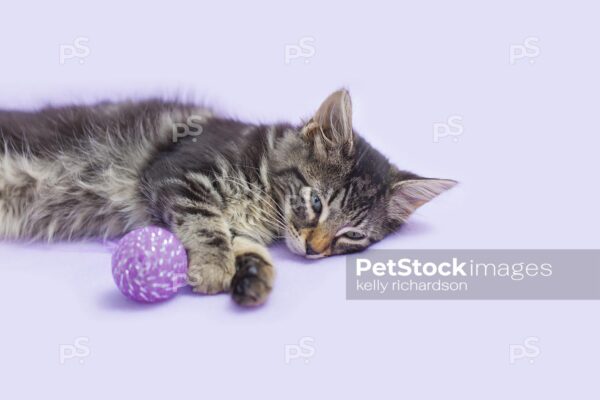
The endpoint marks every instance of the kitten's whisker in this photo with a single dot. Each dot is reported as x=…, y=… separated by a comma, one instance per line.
x=255, y=186
x=278, y=221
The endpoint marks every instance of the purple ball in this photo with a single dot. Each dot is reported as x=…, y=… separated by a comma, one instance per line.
x=149, y=264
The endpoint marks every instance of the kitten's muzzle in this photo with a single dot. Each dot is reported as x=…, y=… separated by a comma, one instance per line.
x=318, y=242
x=310, y=251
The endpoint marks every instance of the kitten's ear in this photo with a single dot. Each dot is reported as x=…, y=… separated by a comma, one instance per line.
x=331, y=126
x=408, y=195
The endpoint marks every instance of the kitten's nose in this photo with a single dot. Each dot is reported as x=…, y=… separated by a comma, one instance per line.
x=309, y=250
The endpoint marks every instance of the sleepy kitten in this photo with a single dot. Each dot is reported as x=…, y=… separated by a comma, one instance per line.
x=225, y=188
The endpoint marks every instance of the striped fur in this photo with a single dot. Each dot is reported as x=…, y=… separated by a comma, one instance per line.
x=226, y=188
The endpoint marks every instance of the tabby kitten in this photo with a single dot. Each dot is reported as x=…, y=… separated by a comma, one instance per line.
x=225, y=188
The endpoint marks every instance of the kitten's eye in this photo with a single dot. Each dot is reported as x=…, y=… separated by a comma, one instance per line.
x=315, y=202
x=354, y=235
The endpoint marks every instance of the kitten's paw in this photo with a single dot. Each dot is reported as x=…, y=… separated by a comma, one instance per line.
x=252, y=281
x=209, y=279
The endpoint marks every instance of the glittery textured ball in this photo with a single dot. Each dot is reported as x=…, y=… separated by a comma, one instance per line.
x=149, y=264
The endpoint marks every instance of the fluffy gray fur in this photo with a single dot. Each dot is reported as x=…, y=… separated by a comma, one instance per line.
x=226, y=188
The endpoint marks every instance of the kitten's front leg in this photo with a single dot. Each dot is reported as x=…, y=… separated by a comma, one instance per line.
x=211, y=261
x=192, y=207
x=217, y=262
x=254, y=276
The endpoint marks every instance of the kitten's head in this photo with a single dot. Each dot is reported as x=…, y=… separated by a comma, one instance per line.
x=341, y=194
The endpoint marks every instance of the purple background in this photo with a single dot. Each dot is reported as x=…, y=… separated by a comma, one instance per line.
x=527, y=162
